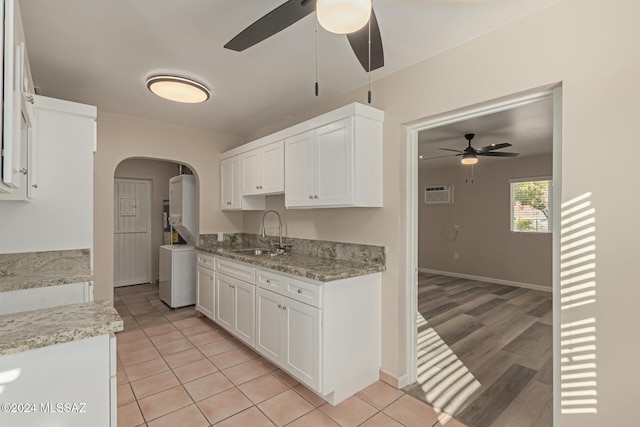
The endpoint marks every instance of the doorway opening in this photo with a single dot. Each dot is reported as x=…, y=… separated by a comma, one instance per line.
x=139, y=218
x=475, y=313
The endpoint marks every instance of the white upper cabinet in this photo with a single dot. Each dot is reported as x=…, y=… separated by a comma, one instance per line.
x=299, y=163
x=18, y=180
x=263, y=170
x=231, y=198
x=331, y=161
x=336, y=165
x=230, y=184
x=320, y=168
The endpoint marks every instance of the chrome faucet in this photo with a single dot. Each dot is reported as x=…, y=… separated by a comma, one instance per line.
x=280, y=245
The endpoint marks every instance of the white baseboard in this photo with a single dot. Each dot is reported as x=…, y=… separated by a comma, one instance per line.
x=488, y=279
x=403, y=381
x=392, y=380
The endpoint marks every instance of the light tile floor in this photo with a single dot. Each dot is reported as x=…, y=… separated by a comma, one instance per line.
x=175, y=369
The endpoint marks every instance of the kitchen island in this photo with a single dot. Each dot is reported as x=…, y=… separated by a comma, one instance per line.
x=58, y=367
x=57, y=345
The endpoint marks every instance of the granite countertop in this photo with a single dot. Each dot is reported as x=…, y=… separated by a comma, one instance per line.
x=34, y=280
x=40, y=269
x=309, y=266
x=29, y=330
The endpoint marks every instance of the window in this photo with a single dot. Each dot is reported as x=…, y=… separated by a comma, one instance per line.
x=531, y=205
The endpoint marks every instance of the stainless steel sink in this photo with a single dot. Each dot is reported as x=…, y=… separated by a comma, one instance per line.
x=254, y=252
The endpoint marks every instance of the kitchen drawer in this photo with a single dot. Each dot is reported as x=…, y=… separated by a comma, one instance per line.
x=236, y=270
x=298, y=290
x=205, y=260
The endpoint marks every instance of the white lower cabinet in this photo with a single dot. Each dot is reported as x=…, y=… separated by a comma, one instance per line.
x=288, y=333
x=235, y=305
x=72, y=384
x=244, y=321
x=327, y=335
x=205, y=284
x=224, y=301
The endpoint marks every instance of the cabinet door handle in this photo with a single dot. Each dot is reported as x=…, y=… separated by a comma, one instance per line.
x=299, y=291
x=310, y=196
x=23, y=171
x=35, y=185
x=257, y=187
x=228, y=203
x=268, y=281
x=279, y=305
x=315, y=197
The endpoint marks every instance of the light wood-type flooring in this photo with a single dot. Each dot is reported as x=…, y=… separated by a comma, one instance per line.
x=484, y=352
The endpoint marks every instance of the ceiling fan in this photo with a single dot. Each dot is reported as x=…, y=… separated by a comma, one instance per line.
x=470, y=154
x=291, y=12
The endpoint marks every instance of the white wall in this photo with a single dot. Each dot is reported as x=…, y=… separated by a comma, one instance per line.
x=62, y=215
x=120, y=138
x=590, y=47
x=485, y=244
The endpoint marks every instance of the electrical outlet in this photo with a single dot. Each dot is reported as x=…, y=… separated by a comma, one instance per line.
x=455, y=255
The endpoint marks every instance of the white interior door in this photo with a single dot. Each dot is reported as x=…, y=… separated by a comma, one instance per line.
x=132, y=232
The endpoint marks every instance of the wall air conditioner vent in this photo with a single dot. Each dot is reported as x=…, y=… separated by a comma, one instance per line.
x=438, y=195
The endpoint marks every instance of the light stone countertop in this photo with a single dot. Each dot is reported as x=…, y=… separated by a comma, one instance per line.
x=40, y=269
x=304, y=265
x=15, y=283
x=29, y=330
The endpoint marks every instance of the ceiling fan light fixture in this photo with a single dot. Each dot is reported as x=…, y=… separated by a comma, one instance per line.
x=178, y=89
x=343, y=16
x=469, y=158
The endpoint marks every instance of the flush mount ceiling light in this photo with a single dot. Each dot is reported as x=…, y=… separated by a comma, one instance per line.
x=178, y=89
x=343, y=16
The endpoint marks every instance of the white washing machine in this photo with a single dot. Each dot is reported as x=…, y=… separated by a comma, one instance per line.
x=178, y=275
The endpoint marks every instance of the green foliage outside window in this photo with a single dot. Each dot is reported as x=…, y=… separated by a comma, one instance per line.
x=530, y=204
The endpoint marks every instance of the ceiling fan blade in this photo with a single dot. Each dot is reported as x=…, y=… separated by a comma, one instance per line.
x=272, y=23
x=449, y=149
x=498, y=154
x=359, y=41
x=493, y=147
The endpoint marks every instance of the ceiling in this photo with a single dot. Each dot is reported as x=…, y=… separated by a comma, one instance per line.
x=101, y=53
x=528, y=128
